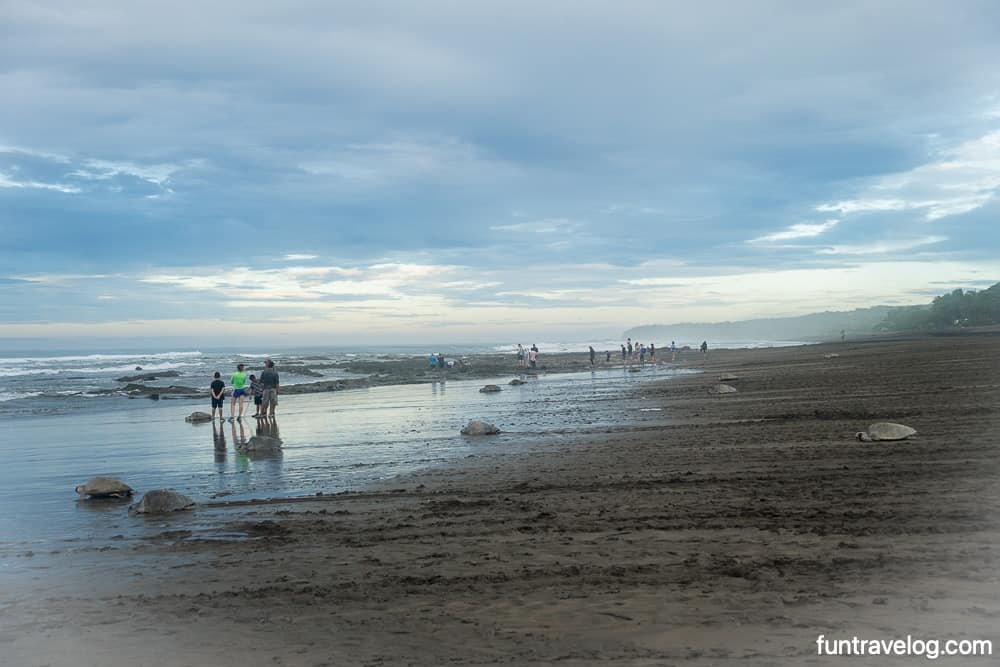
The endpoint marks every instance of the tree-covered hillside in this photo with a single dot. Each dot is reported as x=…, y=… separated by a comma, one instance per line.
x=968, y=308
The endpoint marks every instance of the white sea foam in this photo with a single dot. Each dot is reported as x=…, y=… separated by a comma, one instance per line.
x=14, y=395
x=21, y=371
x=97, y=357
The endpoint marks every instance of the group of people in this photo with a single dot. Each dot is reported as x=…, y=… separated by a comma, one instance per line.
x=637, y=352
x=263, y=390
x=438, y=361
x=527, y=357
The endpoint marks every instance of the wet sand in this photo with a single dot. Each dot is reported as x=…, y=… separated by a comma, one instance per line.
x=749, y=525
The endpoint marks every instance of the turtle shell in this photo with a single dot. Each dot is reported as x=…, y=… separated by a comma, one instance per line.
x=890, y=431
x=104, y=487
x=161, y=501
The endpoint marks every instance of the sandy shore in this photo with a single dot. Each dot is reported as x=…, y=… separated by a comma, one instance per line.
x=750, y=526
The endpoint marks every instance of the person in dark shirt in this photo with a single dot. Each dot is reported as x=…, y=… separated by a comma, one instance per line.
x=218, y=391
x=269, y=383
x=258, y=394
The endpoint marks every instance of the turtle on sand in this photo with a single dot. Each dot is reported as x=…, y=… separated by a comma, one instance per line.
x=722, y=389
x=885, y=431
x=261, y=443
x=195, y=417
x=489, y=389
x=161, y=501
x=476, y=427
x=104, y=487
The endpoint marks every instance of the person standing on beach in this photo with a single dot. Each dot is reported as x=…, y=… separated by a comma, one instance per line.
x=239, y=383
x=642, y=354
x=520, y=356
x=607, y=356
x=629, y=347
x=533, y=355
x=269, y=383
x=218, y=391
x=704, y=348
x=652, y=353
x=673, y=350
x=623, y=353
x=592, y=353
x=258, y=394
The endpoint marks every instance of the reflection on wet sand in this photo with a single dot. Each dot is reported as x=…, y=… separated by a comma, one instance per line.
x=265, y=444
x=219, y=442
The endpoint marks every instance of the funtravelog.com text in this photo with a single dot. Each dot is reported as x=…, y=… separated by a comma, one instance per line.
x=932, y=649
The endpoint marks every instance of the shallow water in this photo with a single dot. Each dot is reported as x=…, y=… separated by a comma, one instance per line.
x=331, y=442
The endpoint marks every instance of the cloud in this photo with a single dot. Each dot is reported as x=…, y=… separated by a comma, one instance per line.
x=437, y=154
x=543, y=226
x=7, y=182
x=881, y=247
x=961, y=179
x=797, y=231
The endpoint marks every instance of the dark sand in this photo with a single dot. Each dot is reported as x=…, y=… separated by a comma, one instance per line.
x=754, y=524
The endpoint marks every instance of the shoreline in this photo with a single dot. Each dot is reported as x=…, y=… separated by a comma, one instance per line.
x=744, y=528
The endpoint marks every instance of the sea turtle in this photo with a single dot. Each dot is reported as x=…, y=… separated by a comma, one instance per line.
x=885, y=431
x=198, y=417
x=104, y=487
x=722, y=389
x=476, y=427
x=516, y=381
x=261, y=443
x=489, y=389
x=728, y=377
x=161, y=501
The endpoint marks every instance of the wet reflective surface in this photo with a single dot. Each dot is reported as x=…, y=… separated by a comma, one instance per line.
x=331, y=442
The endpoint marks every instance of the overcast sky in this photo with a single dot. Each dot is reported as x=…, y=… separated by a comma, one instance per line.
x=484, y=171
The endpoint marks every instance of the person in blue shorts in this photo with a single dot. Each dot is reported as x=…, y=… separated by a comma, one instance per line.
x=239, y=383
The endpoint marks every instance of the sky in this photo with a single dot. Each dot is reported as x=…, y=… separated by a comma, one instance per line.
x=393, y=172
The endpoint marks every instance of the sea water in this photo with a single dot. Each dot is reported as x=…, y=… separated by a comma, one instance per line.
x=332, y=442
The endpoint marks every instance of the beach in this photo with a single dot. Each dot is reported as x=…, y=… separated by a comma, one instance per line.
x=693, y=529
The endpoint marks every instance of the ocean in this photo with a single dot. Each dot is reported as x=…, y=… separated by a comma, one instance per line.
x=40, y=382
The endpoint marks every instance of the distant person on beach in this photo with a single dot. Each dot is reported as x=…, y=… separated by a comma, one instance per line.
x=533, y=356
x=592, y=353
x=642, y=354
x=673, y=350
x=629, y=347
x=520, y=355
x=269, y=383
x=704, y=348
x=843, y=335
x=218, y=391
x=258, y=394
x=652, y=353
x=239, y=383
x=623, y=353
x=440, y=360
x=607, y=355
x=432, y=360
